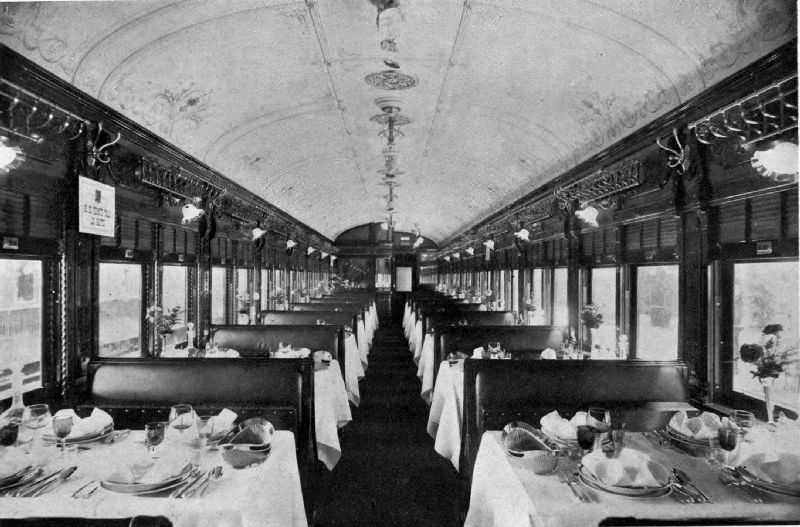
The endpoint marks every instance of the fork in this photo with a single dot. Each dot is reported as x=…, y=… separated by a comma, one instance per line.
x=563, y=477
x=732, y=481
x=573, y=478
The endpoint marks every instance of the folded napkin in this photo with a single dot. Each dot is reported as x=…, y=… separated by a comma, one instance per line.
x=477, y=353
x=553, y=423
x=223, y=421
x=146, y=471
x=231, y=354
x=549, y=353
x=704, y=426
x=289, y=353
x=631, y=469
x=92, y=425
x=778, y=468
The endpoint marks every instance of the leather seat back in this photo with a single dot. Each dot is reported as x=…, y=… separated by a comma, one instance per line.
x=259, y=340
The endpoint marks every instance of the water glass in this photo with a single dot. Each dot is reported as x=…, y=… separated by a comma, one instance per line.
x=36, y=417
x=600, y=420
x=728, y=435
x=62, y=426
x=181, y=418
x=744, y=420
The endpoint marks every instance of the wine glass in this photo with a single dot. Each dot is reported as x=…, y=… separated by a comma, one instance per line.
x=181, y=417
x=744, y=420
x=205, y=429
x=62, y=426
x=35, y=417
x=585, y=437
x=154, y=435
x=600, y=420
x=8, y=433
x=494, y=348
x=728, y=435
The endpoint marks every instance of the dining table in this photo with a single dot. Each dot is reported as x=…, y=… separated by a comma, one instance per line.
x=424, y=359
x=445, y=416
x=353, y=368
x=331, y=411
x=506, y=492
x=265, y=494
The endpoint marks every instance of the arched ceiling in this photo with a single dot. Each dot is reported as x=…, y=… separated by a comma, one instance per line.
x=511, y=93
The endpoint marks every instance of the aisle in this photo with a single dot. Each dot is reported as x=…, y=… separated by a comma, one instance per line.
x=389, y=473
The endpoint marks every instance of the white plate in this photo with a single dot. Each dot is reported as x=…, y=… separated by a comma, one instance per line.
x=82, y=439
x=631, y=492
x=766, y=485
x=139, y=488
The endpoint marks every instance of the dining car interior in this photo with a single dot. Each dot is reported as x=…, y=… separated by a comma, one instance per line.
x=481, y=263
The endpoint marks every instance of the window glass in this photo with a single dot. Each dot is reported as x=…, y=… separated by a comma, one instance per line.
x=515, y=291
x=20, y=324
x=766, y=293
x=120, y=316
x=535, y=307
x=242, y=297
x=560, y=303
x=217, y=295
x=604, y=295
x=265, y=290
x=174, y=292
x=657, y=312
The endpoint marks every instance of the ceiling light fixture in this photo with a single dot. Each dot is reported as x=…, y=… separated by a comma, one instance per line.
x=777, y=162
x=323, y=255
x=523, y=234
x=470, y=251
x=310, y=251
x=489, y=245
x=333, y=258
x=456, y=255
x=290, y=243
x=258, y=233
x=191, y=212
x=10, y=156
x=588, y=215
x=446, y=258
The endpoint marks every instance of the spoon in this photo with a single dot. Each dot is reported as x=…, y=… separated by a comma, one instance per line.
x=515, y=453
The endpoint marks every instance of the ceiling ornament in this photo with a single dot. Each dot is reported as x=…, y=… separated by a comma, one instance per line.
x=778, y=162
x=601, y=184
x=763, y=115
x=391, y=80
x=390, y=119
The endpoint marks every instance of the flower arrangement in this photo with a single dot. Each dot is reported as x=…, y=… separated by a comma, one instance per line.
x=244, y=303
x=768, y=359
x=591, y=316
x=278, y=296
x=164, y=322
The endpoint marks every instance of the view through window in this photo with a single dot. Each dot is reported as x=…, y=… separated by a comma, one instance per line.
x=657, y=312
x=604, y=295
x=217, y=295
x=120, y=310
x=174, y=294
x=560, y=305
x=20, y=324
x=765, y=293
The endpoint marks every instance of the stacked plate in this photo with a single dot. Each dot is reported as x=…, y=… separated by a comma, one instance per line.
x=19, y=478
x=693, y=443
x=86, y=438
x=562, y=441
x=768, y=486
x=660, y=473
x=140, y=489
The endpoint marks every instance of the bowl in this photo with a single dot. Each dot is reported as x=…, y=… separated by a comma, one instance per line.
x=541, y=461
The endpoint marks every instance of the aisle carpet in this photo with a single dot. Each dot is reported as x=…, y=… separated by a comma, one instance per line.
x=389, y=473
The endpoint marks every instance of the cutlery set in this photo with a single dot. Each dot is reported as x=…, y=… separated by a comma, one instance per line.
x=196, y=483
x=583, y=494
x=37, y=486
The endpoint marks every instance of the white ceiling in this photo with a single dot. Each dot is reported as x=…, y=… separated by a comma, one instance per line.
x=511, y=93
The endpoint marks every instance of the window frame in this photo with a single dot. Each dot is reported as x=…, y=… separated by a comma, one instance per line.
x=720, y=377
x=144, y=330
x=632, y=320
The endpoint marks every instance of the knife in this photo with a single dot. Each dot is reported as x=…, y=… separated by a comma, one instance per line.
x=24, y=489
x=191, y=480
x=684, y=478
x=191, y=489
x=62, y=476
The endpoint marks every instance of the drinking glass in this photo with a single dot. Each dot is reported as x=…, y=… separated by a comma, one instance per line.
x=494, y=348
x=600, y=420
x=744, y=420
x=205, y=429
x=8, y=433
x=62, y=426
x=728, y=435
x=153, y=435
x=35, y=417
x=585, y=437
x=181, y=417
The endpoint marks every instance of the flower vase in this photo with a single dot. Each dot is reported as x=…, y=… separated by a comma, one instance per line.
x=767, y=383
x=163, y=350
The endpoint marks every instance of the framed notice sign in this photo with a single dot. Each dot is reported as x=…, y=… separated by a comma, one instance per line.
x=403, y=281
x=96, y=207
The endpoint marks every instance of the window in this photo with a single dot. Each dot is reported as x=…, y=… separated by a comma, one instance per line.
x=657, y=312
x=265, y=288
x=604, y=295
x=175, y=292
x=20, y=324
x=120, y=318
x=218, y=295
x=242, y=297
x=515, y=291
x=536, y=314
x=766, y=293
x=560, y=294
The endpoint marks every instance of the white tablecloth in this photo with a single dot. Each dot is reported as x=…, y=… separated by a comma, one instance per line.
x=331, y=412
x=415, y=342
x=425, y=372
x=363, y=347
x=505, y=492
x=444, y=420
x=353, y=369
x=268, y=494
x=407, y=320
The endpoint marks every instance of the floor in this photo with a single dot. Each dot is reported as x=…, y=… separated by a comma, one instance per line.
x=389, y=473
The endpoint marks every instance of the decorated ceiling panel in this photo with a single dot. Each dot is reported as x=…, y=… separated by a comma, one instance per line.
x=497, y=97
